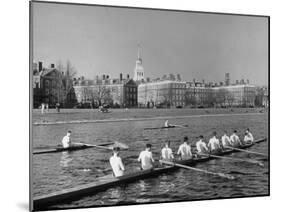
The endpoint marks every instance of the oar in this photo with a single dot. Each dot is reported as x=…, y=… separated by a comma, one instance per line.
x=243, y=150
x=231, y=158
x=121, y=145
x=116, y=143
x=175, y=125
x=228, y=176
x=94, y=145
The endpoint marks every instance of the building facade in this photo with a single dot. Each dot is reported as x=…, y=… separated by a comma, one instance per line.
x=165, y=93
x=50, y=86
x=198, y=94
x=235, y=95
x=113, y=92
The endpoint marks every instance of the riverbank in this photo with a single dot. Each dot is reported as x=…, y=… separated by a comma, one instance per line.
x=92, y=115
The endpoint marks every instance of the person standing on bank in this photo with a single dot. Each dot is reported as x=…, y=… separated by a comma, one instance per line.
x=146, y=159
x=116, y=163
x=42, y=108
x=185, y=150
x=66, y=141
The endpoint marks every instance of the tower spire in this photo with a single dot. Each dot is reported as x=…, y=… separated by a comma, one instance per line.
x=139, y=56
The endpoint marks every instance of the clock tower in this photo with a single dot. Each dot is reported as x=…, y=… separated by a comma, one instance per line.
x=139, y=70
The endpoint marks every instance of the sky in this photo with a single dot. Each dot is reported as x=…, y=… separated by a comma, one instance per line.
x=104, y=40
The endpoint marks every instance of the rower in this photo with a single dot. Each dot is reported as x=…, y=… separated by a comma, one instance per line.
x=185, y=150
x=214, y=143
x=66, y=141
x=116, y=163
x=235, y=140
x=248, y=139
x=201, y=146
x=166, y=124
x=225, y=140
x=167, y=152
x=146, y=158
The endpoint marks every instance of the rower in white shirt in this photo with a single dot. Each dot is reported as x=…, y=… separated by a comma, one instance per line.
x=248, y=139
x=167, y=152
x=225, y=140
x=66, y=141
x=146, y=158
x=201, y=146
x=235, y=140
x=185, y=150
x=116, y=163
x=166, y=124
x=214, y=143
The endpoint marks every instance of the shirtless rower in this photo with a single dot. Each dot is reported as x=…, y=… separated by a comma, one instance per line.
x=146, y=158
x=201, y=146
x=235, y=140
x=214, y=144
x=116, y=163
x=225, y=140
x=66, y=141
x=248, y=139
x=185, y=150
x=167, y=152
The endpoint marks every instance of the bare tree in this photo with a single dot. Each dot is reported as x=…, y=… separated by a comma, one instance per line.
x=220, y=97
x=102, y=95
x=229, y=98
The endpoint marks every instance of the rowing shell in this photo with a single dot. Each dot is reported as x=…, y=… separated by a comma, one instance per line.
x=172, y=126
x=103, y=183
x=78, y=146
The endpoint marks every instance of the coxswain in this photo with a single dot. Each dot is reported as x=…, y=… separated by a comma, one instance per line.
x=248, y=139
x=214, y=143
x=146, y=158
x=167, y=152
x=201, y=146
x=235, y=140
x=116, y=163
x=225, y=140
x=66, y=141
x=185, y=150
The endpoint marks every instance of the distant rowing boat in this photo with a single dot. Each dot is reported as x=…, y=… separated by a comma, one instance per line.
x=103, y=183
x=81, y=146
x=172, y=126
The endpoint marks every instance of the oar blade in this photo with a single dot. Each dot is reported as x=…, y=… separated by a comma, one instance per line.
x=121, y=145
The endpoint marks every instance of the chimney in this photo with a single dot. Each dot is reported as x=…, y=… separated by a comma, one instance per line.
x=121, y=76
x=103, y=76
x=194, y=80
x=107, y=77
x=248, y=81
x=40, y=66
x=128, y=76
x=52, y=65
x=62, y=73
x=237, y=82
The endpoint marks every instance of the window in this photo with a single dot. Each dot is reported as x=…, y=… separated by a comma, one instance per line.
x=46, y=83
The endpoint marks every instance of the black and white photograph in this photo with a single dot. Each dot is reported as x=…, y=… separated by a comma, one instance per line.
x=135, y=106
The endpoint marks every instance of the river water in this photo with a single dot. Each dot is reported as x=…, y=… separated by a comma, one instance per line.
x=53, y=172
